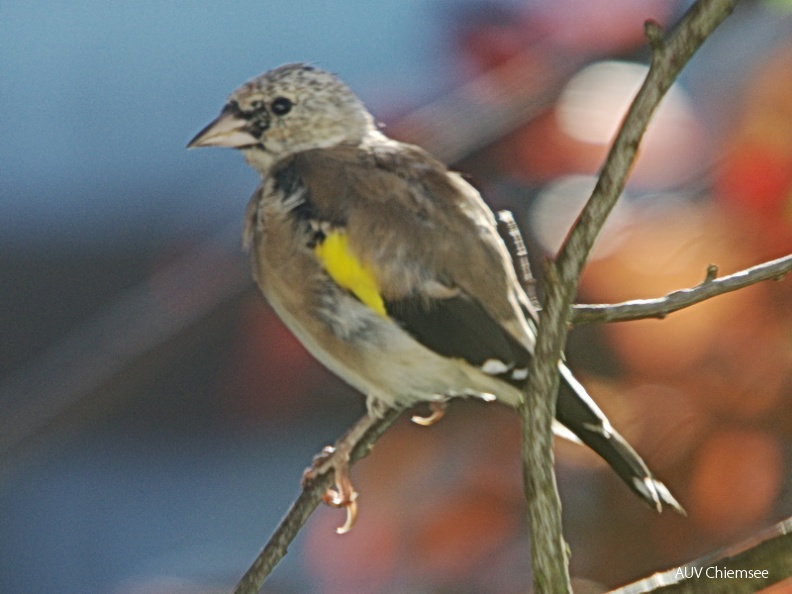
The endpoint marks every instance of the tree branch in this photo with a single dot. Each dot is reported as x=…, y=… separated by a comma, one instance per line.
x=303, y=507
x=549, y=551
x=660, y=307
x=767, y=553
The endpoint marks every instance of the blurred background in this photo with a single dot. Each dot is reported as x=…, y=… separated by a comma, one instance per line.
x=155, y=417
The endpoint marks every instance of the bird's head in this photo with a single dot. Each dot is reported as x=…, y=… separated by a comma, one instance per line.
x=285, y=111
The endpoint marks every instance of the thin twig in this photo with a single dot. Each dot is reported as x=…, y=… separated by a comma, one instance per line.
x=302, y=508
x=766, y=556
x=660, y=307
x=549, y=551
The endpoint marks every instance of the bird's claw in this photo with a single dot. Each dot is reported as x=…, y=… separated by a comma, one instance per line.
x=437, y=408
x=343, y=494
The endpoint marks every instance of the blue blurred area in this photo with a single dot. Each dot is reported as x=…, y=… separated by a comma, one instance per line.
x=97, y=102
x=98, y=99
x=112, y=511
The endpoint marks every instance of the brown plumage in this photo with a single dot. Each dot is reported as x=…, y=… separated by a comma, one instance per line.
x=448, y=316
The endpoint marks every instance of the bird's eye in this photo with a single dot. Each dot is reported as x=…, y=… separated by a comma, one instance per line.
x=280, y=106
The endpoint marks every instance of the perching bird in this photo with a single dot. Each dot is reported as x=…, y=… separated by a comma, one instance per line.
x=387, y=266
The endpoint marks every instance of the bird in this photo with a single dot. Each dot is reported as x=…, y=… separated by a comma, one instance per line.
x=389, y=267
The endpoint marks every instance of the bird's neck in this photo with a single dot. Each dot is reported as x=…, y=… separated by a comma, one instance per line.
x=260, y=160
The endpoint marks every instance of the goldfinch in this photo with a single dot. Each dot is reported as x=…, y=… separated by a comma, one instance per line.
x=387, y=266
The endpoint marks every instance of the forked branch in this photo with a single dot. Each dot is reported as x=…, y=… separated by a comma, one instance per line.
x=549, y=551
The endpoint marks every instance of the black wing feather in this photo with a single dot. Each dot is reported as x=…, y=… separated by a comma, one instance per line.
x=460, y=328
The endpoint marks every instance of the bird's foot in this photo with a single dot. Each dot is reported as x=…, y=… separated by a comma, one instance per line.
x=342, y=494
x=338, y=459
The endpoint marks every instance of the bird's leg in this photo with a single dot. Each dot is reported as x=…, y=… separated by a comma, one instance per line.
x=336, y=458
x=437, y=408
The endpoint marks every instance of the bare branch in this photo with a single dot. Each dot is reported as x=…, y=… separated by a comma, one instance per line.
x=549, y=551
x=767, y=553
x=660, y=307
x=303, y=507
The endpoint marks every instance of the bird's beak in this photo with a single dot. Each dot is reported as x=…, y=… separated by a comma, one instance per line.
x=227, y=130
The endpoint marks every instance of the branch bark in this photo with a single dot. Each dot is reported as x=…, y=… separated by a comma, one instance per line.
x=549, y=551
x=660, y=307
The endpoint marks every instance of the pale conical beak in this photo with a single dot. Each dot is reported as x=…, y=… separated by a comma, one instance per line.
x=227, y=130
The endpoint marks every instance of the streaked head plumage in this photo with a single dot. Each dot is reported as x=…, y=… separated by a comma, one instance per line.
x=287, y=110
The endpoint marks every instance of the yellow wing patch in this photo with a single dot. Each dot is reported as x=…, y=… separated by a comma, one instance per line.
x=349, y=272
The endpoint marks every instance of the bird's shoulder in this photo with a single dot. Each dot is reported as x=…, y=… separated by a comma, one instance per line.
x=379, y=170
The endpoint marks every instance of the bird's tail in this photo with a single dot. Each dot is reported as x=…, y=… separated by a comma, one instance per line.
x=578, y=412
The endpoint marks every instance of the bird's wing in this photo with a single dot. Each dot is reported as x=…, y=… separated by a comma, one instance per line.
x=417, y=243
